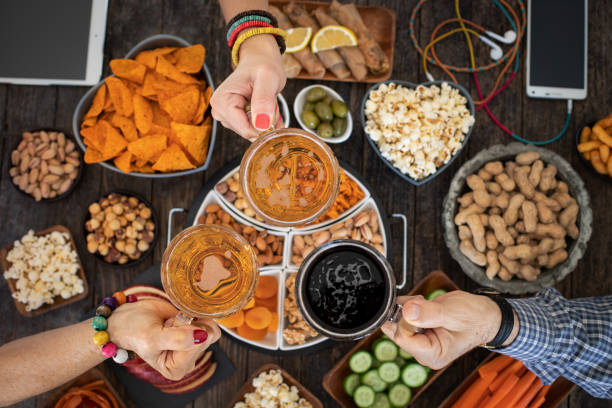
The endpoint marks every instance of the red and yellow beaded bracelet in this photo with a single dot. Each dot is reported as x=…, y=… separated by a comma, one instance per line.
x=100, y=324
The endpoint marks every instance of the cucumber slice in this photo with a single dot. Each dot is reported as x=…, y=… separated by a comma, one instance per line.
x=399, y=395
x=372, y=379
x=400, y=361
x=389, y=372
x=378, y=340
x=434, y=294
x=364, y=396
x=385, y=350
x=360, y=362
x=404, y=355
x=414, y=375
x=381, y=401
x=350, y=383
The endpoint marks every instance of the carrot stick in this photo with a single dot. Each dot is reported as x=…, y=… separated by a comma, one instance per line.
x=495, y=366
x=520, y=388
x=473, y=394
x=484, y=401
x=538, y=401
x=502, y=391
x=503, y=376
x=530, y=394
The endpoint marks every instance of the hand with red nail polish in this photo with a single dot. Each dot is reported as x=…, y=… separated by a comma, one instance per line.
x=257, y=80
x=144, y=328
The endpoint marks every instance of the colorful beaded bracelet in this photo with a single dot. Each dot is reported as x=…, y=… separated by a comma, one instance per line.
x=279, y=35
x=259, y=13
x=244, y=20
x=244, y=26
x=100, y=324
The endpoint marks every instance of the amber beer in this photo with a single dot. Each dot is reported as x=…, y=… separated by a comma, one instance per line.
x=209, y=271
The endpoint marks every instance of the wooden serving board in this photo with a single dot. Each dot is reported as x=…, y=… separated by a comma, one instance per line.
x=332, y=382
x=58, y=301
x=289, y=380
x=380, y=20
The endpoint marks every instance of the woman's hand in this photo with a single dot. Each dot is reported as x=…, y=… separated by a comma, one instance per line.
x=455, y=323
x=257, y=80
x=173, y=351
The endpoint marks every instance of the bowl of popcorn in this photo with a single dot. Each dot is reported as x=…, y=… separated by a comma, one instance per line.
x=43, y=271
x=417, y=129
x=120, y=228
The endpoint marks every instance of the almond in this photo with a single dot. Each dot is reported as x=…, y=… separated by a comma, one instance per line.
x=34, y=163
x=52, y=135
x=15, y=157
x=260, y=244
x=33, y=176
x=56, y=185
x=31, y=148
x=69, y=146
x=45, y=190
x=24, y=162
x=44, y=168
x=298, y=241
x=22, y=145
x=37, y=194
x=14, y=171
x=65, y=186
x=28, y=136
x=44, y=136
x=29, y=187
x=68, y=168
x=321, y=237
x=58, y=170
x=48, y=154
x=74, y=161
x=361, y=219
x=61, y=154
x=41, y=147
x=61, y=139
x=17, y=180
x=50, y=178
x=73, y=174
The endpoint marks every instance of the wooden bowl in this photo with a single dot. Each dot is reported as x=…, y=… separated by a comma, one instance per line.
x=58, y=301
x=289, y=380
x=89, y=376
x=557, y=393
x=332, y=382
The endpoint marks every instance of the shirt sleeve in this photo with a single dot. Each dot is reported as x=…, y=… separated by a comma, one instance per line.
x=568, y=338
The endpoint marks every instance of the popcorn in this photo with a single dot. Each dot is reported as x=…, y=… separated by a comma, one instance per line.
x=417, y=130
x=272, y=392
x=44, y=267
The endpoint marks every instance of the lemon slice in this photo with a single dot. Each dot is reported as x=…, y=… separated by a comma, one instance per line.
x=332, y=36
x=297, y=38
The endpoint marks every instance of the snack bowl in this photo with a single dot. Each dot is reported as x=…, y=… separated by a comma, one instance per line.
x=584, y=160
x=58, y=301
x=284, y=110
x=156, y=41
x=470, y=105
x=144, y=254
x=576, y=248
x=75, y=181
x=298, y=106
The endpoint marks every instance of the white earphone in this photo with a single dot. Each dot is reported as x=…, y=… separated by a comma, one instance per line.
x=496, y=51
x=508, y=38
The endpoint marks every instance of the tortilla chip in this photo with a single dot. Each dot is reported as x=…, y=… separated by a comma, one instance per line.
x=183, y=106
x=148, y=89
x=149, y=57
x=93, y=156
x=165, y=68
x=120, y=95
x=160, y=130
x=160, y=117
x=97, y=104
x=173, y=159
x=143, y=114
x=108, y=104
x=190, y=59
x=128, y=129
x=194, y=139
x=89, y=122
x=122, y=162
x=114, y=143
x=139, y=162
x=144, y=169
x=94, y=136
x=128, y=69
x=161, y=84
x=202, y=106
x=148, y=147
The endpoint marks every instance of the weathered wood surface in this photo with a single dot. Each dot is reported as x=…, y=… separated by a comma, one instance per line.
x=129, y=21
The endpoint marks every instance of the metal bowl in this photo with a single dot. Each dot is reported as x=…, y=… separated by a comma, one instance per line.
x=406, y=84
x=156, y=41
x=576, y=248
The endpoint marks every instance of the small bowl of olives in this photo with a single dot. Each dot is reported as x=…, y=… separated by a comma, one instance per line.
x=284, y=109
x=320, y=110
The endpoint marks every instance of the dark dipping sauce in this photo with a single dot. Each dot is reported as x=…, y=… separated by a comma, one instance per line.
x=345, y=289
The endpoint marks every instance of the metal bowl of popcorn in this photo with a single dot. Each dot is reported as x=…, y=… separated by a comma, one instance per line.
x=417, y=129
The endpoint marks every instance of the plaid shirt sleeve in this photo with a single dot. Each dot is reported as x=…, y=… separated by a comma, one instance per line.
x=568, y=338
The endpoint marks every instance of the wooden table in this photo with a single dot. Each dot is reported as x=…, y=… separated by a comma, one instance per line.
x=129, y=21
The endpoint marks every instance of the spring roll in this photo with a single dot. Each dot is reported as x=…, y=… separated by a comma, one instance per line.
x=348, y=15
x=291, y=66
x=352, y=55
x=305, y=57
x=330, y=58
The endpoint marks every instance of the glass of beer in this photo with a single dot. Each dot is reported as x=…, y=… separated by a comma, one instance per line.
x=208, y=271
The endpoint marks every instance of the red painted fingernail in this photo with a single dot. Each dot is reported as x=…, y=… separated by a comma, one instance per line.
x=262, y=121
x=199, y=336
x=195, y=319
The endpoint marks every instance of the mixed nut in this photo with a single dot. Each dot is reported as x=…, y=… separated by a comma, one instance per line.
x=268, y=247
x=45, y=164
x=231, y=191
x=120, y=228
x=362, y=227
x=297, y=331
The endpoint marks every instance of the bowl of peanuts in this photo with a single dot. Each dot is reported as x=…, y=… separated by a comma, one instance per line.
x=517, y=218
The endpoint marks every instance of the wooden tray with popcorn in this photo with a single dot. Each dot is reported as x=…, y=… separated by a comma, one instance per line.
x=356, y=214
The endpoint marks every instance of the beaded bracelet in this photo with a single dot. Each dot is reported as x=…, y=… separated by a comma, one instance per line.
x=244, y=26
x=244, y=20
x=100, y=323
x=279, y=35
x=250, y=13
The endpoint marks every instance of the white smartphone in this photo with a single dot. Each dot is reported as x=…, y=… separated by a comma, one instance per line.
x=58, y=42
x=557, y=49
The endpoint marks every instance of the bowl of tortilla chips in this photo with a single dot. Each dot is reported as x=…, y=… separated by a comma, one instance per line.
x=151, y=118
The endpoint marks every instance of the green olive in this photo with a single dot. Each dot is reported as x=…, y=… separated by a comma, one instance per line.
x=310, y=119
x=324, y=111
x=339, y=125
x=315, y=94
x=325, y=130
x=328, y=99
x=308, y=106
x=340, y=109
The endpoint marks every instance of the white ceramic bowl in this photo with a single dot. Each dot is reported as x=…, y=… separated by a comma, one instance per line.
x=284, y=109
x=298, y=105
